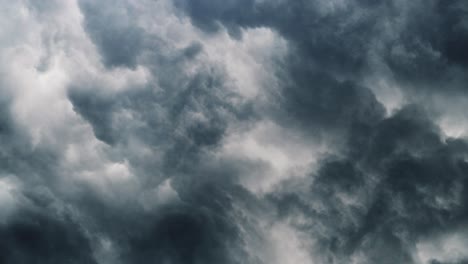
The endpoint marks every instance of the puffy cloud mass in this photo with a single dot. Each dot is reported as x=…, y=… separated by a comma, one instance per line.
x=236, y=131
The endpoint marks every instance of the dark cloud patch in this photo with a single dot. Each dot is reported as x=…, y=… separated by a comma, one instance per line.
x=337, y=41
x=96, y=109
x=328, y=48
x=210, y=16
x=31, y=231
x=6, y=123
x=35, y=236
x=114, y=32
x=456, y=27
x=421, y=42
x=180, y=116
x=428, y=52
x=321, y=104
x=204, y=226
x=183, y=119
x=450, y=34
x=186, y=235
x=408, y=130
x=407, y=185
x=333, y=223
x=198, y=229
x=102, y=110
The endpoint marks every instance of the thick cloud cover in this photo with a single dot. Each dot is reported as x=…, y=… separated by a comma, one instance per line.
x=240, y=131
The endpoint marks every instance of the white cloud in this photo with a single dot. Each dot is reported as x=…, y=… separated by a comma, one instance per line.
x=288, y=152
x=8, y=203
x=445, y=248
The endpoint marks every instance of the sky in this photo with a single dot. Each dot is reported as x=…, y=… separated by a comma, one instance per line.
x=234, y=132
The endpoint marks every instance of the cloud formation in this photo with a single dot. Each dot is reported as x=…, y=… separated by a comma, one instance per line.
x=243, y=131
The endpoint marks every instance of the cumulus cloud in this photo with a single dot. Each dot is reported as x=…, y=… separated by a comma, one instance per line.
x=242, y=131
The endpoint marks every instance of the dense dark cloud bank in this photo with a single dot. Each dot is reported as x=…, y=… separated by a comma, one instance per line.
x=236, y=131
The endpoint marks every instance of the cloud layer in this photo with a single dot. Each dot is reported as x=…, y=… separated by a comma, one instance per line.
x=242, y=131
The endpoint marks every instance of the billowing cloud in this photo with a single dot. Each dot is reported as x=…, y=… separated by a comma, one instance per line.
x=243, y=131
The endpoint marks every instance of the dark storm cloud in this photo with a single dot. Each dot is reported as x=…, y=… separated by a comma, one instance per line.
x=422, y=42
x=321, y=104
x=331, y=40
x=201, y=229
x=328, y=51
x=114, y=31
x=33, y=232
x=392, y=178
x=187, y=236
x=429, y=52
x=6, y=125
x=34, y=235
x=184, y=118
x=210, y=16
x=174, y=95
x=198, y=229
x=202, y=94
x=176, y=112
x=406, y=183
x=403, y=177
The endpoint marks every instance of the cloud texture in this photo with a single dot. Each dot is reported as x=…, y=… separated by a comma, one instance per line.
x=237, y=131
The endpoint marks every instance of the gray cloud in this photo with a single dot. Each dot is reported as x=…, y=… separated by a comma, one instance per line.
x=35, y=235
x=114, y=32
x=401, y=183
x=126, y=135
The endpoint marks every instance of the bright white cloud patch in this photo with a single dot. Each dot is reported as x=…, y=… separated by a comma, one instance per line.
x=7, y=197
x=446, y=248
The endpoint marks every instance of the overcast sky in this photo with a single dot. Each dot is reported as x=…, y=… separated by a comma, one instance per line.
x=234, y=131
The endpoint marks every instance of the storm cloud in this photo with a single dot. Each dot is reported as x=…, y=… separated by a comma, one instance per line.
x=239, y=131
